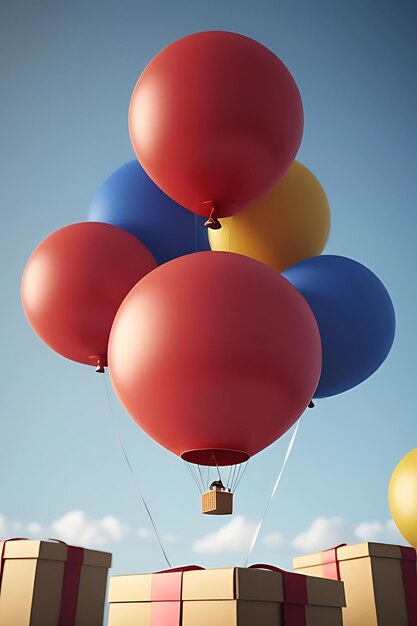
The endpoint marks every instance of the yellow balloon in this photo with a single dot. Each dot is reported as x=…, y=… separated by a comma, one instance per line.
x=290, y=223
x=402, y=496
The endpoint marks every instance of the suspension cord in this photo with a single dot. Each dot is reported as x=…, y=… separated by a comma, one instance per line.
x=193, y=476
x=218, y=471
x=278, y=480
x=138, y=486
x=233, y=476
x=228, y=484
x=242, y=474
x=239, y=467
x=201, y=475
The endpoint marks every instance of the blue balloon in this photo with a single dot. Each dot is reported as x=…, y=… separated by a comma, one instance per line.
x=130, y=200
x=355, y=317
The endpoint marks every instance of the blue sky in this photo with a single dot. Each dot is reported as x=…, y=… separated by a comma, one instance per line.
x=67, y=72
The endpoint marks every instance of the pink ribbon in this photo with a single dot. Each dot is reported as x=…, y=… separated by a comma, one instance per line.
x=166, y=596
x=330, y=562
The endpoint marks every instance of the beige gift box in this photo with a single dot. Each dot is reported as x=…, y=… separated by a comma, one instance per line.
x=32, y=591
x=380, y=581
x=224, y=597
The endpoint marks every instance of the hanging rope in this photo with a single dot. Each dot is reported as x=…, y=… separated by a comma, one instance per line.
x=201, y=475
x=228, y=484
x=233, y=476
x=242, y=474
x=278, y=480
x=239, y=475
x=116, y=429
x=193, y=476
x=239, y=469
x=218, y=470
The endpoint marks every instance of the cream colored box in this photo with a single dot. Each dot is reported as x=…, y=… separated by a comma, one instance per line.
x=32, y=581
x=373, y=574
x=223, y=597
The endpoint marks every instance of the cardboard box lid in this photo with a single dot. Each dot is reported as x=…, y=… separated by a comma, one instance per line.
x=230, y=583
x=130, y=588
x=52, y=551
x=332, y=593
x=346, y=553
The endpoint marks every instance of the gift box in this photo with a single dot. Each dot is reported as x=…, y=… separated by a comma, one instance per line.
x=48, y=583
x=380, y=581
x=233, y=596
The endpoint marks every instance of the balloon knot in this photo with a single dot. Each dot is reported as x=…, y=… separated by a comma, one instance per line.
x=99, y=367
x=212, y=221
x=311, y=404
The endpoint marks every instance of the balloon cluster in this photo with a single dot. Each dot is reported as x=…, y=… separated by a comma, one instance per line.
x=215, y=355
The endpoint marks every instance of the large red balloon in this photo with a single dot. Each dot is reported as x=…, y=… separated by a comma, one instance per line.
x=215, y=118
x=215, y=353
x=75, y=281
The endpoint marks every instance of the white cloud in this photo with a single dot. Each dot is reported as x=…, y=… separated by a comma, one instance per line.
x=9, y=528
x=170, y=538
x=385, y=532
x=77, y=528
x=144, y=533
x=236, y=536
x=35, y=529
x=274, y=540
x=323, y=533
x=114, y=528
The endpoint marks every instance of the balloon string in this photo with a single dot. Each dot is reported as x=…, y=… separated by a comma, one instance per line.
x=278, y=480
x=241, y=476
x=193, y=476
x=201, y=475
x=117, y=431
x=228, y=478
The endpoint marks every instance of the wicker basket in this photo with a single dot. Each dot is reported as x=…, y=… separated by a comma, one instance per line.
x=217, y=502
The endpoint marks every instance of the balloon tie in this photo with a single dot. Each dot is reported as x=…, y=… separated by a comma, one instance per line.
x=311, y=404
x=99, y=367
x=212, y=221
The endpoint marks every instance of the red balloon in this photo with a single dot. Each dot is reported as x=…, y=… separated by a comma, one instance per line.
x=215, y=119
x=215, y=353
x=75, y=281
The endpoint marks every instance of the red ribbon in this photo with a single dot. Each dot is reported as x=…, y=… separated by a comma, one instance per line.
x=71, y=584
x=330, y=562
x=295, y=595
x=166, y=596
x=408, y=564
